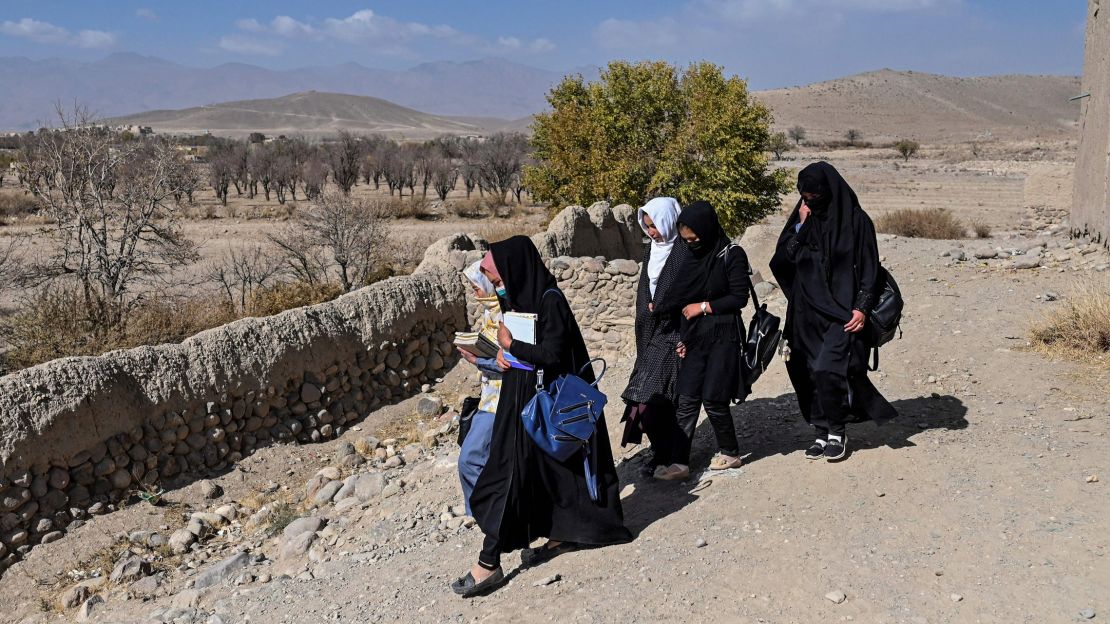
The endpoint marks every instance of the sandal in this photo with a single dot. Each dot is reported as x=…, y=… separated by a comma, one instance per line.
x=467, y=587
x=674, y=472
x=725, y=462
x=535, y=556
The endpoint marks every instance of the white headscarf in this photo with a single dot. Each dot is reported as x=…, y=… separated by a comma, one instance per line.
x=479, y=279
x=664, y=214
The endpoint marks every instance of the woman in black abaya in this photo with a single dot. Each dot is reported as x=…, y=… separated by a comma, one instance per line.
x=710, y=293
x=524, y=494
x=827, y=263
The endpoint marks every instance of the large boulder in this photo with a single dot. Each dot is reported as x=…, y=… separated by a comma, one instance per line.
x=595, y=231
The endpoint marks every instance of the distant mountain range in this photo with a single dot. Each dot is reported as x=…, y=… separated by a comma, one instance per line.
x=125, y=83
x=492, y=94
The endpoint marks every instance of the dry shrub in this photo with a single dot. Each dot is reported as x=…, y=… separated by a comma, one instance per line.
x=284, y=296
x=982, y=230
x=473, y=208
x=1080, y=327
x=499, y=230
x=56, y=323
x=16, y=206
x=935, y=223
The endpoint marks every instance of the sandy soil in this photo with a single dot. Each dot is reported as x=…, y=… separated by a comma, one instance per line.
x=976, y=505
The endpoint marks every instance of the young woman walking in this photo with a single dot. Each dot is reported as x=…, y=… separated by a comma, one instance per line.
x=475, y=447
x=827, y=263
x=650, y=395
x=522, y=493
x=713, y=290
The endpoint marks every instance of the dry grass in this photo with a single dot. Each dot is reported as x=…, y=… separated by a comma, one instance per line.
x=935, y=223
x=1080, y=328
x=497, y=231
x=288, y=295
x=982, y=230
x=15, y=206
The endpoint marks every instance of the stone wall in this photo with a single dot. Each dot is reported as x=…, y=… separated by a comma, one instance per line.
x=78, y=435
x=1090, y=215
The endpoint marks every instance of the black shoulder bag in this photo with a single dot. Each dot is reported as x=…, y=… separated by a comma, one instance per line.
x=761, y=340
x=886, y=317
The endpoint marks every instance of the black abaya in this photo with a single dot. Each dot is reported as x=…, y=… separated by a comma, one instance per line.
x=827, y=268
x=522, y=493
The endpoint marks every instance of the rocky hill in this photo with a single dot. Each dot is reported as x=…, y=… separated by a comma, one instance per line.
x=887, y=105
x=306, y=113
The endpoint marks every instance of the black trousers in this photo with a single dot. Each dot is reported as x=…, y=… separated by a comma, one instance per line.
x=666, y=437
x=720, y=417
x=490, y=557
x=822, y=397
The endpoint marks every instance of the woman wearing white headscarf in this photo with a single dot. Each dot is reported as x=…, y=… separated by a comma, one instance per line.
x=475, y=447
x=650, y=395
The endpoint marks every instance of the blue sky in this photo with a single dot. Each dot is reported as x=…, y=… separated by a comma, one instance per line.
x=770, y=42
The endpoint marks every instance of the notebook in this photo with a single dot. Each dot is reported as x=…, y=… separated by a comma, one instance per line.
x=478, y=343
x=523, y=328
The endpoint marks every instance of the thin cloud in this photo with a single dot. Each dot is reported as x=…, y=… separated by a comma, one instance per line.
x=245, y=45
x=45, y=32
x=381, y=33
x=147, y=14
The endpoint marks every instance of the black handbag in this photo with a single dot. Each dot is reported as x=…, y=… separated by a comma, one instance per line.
x=761, y=342
x=466, y=417
x=886, y=316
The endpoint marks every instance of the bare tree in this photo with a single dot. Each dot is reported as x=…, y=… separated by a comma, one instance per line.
x=470, y=170
x=112, y=226
x=241, y=272
x=345, y=159
x=260, y=165
x=314, y=176
x=444, y=175
x=336, y=235
x=906, y=148
x=797, y=134
x=852, y=136
x=502, y=158
x=221, y=171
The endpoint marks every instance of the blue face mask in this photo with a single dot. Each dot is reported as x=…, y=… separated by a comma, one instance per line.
x=501, y=292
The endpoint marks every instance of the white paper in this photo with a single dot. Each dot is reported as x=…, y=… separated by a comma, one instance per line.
x=521, y=325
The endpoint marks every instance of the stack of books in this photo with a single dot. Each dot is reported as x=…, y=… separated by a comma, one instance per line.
x=481, y=344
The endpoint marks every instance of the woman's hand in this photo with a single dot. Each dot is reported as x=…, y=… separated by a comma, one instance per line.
x=651, y=307
x=803, y=212
x=504, y=336
x=856, y=324
x=692, y=311
x=468, y=356
x=681, y=350
x=502, y=363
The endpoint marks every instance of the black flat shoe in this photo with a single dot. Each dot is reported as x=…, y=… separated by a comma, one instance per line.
x=835, y=450
x=467, y=587
x=816, y=451
x=535, y=556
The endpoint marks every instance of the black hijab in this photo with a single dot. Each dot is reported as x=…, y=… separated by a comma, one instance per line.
x=523, y=274
x=836, y=210
x=700, y=263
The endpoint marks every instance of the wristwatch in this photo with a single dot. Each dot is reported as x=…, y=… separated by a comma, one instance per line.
x=703, y=306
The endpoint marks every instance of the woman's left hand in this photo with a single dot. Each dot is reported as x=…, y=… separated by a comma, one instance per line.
x=692, y=311
x=856, y=324
x=504, y=336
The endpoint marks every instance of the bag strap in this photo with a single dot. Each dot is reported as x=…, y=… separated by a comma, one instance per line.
x=539, y=371
x=874, y=365
x=604, y=367
x=591, y=477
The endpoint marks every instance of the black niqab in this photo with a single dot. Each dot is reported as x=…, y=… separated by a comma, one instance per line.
x=699, y=263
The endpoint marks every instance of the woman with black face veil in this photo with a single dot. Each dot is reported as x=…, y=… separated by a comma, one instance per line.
x=523, y=493
x=827, y=263
x=710, y=292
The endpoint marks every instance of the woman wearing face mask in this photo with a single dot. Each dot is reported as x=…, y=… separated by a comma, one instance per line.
x=827, y=263
x=650, y=395
x=522, y=493
x=475, y=447
x=712, y=290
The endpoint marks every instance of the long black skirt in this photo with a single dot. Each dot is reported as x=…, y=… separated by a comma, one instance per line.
x=524, y=494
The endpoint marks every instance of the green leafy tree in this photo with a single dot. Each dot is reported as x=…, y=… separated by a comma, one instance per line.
x=907, y=148
x=646, y=129
x=779, y=145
